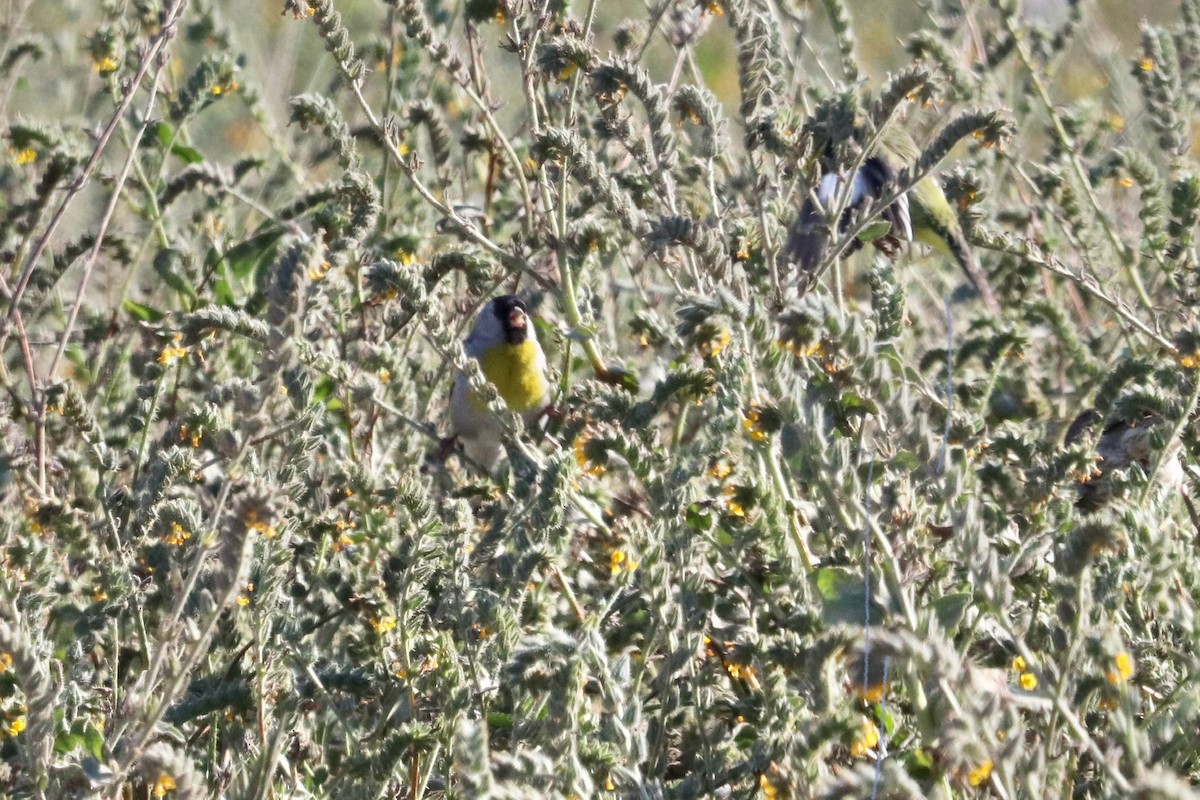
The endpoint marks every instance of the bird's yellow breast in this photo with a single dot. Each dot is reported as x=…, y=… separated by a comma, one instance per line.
x=932, y=238
x=518, y=373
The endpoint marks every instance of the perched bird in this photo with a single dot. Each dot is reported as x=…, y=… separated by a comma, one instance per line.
x=1122, y=444
x=922, y=212
x=505, y=344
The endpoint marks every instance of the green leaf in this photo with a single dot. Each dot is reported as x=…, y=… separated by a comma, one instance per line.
x=619, y=376
x=699, y=518
x=853, y=402
x=842, y=593
x=93, y=741
x=164, y=134
x=920, y=764
x=950, y=609
x=500, y=720
x=189, y=155
x=324, y=389
x=224, y=293
x=143, y=312
x=166, y=265
x=247, y=256
x=886, y=718
x=874, y=230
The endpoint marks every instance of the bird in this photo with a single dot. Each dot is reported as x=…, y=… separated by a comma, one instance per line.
x=922, y=212
x=1122, y=443
x=505, y=344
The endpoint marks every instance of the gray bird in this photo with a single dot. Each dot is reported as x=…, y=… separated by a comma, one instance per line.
x=1122, y=444
x=922, y=213
x=505, y=344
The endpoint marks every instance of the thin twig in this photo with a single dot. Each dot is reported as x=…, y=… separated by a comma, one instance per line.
x=157, y=43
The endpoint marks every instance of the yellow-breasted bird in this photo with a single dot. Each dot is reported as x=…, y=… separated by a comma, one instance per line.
x=505, y=344
x=922, y=212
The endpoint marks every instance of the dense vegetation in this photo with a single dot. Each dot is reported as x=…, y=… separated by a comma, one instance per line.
x=785, y=535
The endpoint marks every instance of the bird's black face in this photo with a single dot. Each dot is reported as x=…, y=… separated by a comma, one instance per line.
x=513, y=316
x=877, y=173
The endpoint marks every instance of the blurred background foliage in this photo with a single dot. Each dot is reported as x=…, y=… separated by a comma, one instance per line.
x=843, y=534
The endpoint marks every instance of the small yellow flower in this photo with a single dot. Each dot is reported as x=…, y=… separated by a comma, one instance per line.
x=800, y=350
x=383, y=624
x=1190, y=360
x=164, y=784
x=16, y=726
x=868, y=737
x=980, y=775
x=714, y=8
x=6, y=662
x=735, y=508
x=105, y=65
x=753, y=423
x=26, y=155
x=1121, y=669
x=317, y=273
x=713, y=347
x=261, y=526
x=619, y=562
x=1125, y=182
x=1018, y=664
x=1028, y=681
x=769, y=790
x=580, y=450
x=177, y=535
x=1146, y=64
x=720, y=470
x=385, y=375
x=745, y=671
x=243, y=599
x=170, y=355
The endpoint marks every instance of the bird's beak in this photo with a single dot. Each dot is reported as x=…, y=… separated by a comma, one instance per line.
x=516, y=319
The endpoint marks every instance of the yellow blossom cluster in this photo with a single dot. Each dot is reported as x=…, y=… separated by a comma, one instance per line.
x=620, y=562
x=1120, y=670
x=1025, y=679
x=866, y=739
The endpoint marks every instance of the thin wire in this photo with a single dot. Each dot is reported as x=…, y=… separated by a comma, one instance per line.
x=867, y=582
x=949, y=388
x=887, y=663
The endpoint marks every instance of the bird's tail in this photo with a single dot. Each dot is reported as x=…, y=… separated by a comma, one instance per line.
x=970, y=266
x=966, y=259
